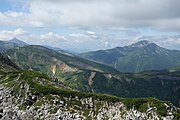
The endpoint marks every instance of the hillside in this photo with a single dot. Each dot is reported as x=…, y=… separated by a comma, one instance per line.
x=5, y=45
x=163, y=85
x=91, y=77
x=29, y=95
x=42, y=59
x=6, y=63
x=137, y=57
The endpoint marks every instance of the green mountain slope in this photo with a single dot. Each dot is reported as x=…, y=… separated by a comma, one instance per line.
x=175, y=69
x=42, y=59
x=5, y=45
x=163, y=85
x=30, y=95
x=137, y=57
x=6, y=63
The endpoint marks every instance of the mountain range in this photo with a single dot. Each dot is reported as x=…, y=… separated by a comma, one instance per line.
x=30, y=95
x=138, y=57
x=71, y=87
x=88, y=76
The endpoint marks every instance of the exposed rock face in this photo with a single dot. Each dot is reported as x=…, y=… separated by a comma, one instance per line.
x=90, y=78
x=65, y=68
x=53, y=66
x=54, y=107
x=62, y=67
x=108, y=76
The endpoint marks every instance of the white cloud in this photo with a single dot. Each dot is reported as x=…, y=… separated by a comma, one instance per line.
x=90, y=32
x=81, y=38
x=52, y=36
x=161, y=14
x=93, y=41
x=52, y=39
x=7, y=35
x=49, y=38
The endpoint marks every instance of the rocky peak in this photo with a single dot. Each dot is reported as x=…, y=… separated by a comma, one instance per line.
x=142, y=43
x=14, y=39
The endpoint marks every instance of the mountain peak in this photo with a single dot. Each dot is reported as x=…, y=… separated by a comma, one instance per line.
x=141, y=43
x=17, y=41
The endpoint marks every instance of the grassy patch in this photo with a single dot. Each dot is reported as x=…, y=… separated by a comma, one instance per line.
x=141, y=104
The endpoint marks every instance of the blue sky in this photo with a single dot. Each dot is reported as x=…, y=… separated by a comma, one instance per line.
x=5, y=6
x=91, y=25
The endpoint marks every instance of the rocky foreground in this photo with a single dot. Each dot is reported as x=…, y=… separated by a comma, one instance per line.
x=31, y=96
x=54, y=107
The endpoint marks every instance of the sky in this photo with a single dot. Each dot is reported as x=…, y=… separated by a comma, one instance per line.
x=88, y=25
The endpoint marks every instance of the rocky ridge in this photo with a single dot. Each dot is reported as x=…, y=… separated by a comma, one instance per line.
x=72, y=108
x=28, y=95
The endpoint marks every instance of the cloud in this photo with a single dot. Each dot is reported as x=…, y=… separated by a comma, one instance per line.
x=7, y=35
x=86, y=40
x=52, y=39
x=93, y=41
x=52, y=36
x=161, y=14
x=90, y=32
x=82, y=38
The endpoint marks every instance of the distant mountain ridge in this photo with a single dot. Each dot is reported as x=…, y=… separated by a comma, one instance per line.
x=138, y=57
